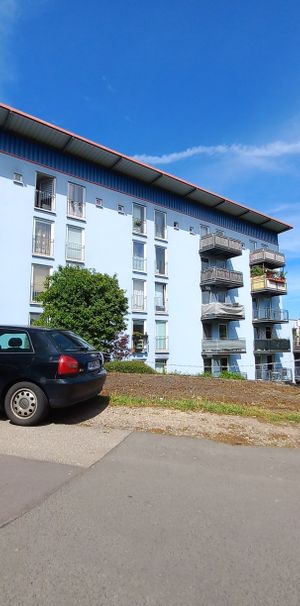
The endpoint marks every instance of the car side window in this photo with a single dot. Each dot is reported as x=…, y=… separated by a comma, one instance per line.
x=14, y=342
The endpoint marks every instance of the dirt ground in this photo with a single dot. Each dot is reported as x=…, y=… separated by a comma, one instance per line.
x=230, y=429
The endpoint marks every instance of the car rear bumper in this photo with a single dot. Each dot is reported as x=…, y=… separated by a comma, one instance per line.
x=68, y=391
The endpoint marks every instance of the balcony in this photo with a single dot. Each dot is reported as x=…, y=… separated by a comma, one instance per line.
x=271, y=258
x=216, y=244
x=138, y=226
x=271, y=345
x=139, y=302
x=76, y=210
x=222, y=311
x=274, y=316
x=44, y=200
x=217, y=276
x=273, y=372
x=74, y=252
x=270, y=284
x=161, y=344
x=161, y=269
x=42, y=247
x=139, y=264
x=139, y=343
x=223, y=346
x=296, y=344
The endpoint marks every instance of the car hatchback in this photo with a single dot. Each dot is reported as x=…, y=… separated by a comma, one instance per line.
x=43, y=368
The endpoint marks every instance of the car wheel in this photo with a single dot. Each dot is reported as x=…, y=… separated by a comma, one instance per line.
x=26, y=404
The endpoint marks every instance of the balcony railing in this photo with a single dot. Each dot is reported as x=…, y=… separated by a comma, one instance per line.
x=277, y=316
x=271, y=345
x=42, y=246
x=296, y=344
x=76, y=209
x=223, y=346
x=229, y=311
x=138, y=226
x=161, y=305
x=217, y=244
x=272, y=285
x=223, y=277
x=44, y=200
x=161, y=269
x=297, y=374
x=74, y=252
x=271, y=258
x=161, y=344
x=139, y=302
x=139, y=264
x=139, y=343
x=273, y=372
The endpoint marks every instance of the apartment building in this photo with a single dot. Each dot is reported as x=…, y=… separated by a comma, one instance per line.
x=204, y=275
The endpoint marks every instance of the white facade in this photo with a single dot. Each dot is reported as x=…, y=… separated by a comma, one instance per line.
x=52, y=216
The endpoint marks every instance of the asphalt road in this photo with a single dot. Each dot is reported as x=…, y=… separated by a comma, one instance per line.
x=157, y=521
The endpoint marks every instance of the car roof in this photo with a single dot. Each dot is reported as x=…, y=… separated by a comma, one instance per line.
x=29, y=327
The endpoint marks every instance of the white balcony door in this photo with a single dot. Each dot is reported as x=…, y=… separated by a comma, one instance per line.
x=74, y=244
x=76, y=200
x=138, y=256
x=138, y=294
x=161, y=335
x=160, y=299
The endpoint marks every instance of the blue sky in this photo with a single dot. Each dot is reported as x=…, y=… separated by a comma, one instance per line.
x=209, y=91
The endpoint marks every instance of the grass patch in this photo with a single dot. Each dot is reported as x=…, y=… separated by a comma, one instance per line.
x=221, y=408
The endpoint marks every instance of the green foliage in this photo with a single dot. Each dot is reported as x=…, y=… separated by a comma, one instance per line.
x=89, y=303
x=134, y=366
x=236, y=376
x=257, y=270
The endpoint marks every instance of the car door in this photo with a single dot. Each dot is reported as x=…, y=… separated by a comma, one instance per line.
x=16, y=356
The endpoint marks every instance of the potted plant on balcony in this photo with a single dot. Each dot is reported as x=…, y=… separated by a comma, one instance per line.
x=139, y=341
x=137, y=223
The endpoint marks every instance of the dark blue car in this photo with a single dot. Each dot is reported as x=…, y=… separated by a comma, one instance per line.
x=43, y=368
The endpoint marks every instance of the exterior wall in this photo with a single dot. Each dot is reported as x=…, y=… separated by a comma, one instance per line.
x=108, y=248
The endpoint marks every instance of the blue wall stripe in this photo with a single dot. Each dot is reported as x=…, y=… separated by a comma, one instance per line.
x=82, y=169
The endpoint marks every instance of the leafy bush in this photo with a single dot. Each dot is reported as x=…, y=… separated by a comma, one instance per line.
x=136, y=366
x=236, y=376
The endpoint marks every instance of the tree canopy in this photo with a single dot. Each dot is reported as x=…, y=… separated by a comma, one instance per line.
x=86, y=302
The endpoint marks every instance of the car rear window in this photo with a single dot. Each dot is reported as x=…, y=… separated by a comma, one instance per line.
x=14, y=342
x=68, y=341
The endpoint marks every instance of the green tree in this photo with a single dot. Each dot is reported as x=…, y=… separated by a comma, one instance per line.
x=89, y=303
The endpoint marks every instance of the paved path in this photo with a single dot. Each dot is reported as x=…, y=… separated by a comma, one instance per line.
x=158, y=521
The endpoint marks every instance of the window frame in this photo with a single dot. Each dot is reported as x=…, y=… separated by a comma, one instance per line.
x=51, y=247
x=164, y=215
x=72, y=215
x=33, y=265
x=82, y=231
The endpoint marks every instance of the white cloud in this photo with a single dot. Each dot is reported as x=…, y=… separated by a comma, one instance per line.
x=254, y=154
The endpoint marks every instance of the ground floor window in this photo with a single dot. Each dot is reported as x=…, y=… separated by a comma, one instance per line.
x=161, y=366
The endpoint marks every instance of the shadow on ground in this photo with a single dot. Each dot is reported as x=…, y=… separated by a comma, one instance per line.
x=83, y=411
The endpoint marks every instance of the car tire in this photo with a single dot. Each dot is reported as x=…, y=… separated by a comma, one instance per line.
x=26, y=404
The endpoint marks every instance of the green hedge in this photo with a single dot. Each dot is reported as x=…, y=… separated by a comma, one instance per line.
x=129, y=366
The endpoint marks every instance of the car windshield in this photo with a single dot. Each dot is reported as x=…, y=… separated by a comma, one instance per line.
x=68, y=341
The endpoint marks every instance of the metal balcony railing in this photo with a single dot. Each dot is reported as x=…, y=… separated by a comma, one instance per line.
x=273, y=372
x=139, y=264
x=229, y=311
x=42, y=246
x=223, y=346
x=271, y=258
x=44, y=200
x=76, y=209
x=138, y=226
x=161, y=305
x=222, y=277
x=270, y=315
x=139, y=302
x=271, y=345
x=161, y=344
x=272, y=285
x=74, y=252
x=220, y=245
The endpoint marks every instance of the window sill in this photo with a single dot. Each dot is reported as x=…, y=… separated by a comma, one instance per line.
x=41, y=256
x=69, y=260
x=45, y=210
x=74, y=218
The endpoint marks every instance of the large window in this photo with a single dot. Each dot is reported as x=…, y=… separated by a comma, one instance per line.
x=160, y=297
x=139, y=336
x=74, y=244
x=160, y=261
x=38, y=278
x=76, y=201
x=138, y=219
x=223, y=333
x=138, y=295
x=138, y=259
x=45, y=192
x=42, y=238
x=160, y=225
x=161, y=340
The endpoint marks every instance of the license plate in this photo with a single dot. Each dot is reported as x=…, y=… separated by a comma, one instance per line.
x=94, y=365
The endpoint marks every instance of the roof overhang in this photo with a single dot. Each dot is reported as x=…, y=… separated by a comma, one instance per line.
x=43, y=132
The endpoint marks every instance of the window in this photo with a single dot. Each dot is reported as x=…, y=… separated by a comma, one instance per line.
x=33, y=317
x=204, y=230
x=121, y=209
x=160, y=225
x=14, y=341
x=138, y=259
x=45, y=192
x=160, y=297
x=223, y=331
x=138, y=295
x=176, y=225
x=74, y=244
x=39, y=275
x=138, y=219
x=224, y=364
x=161, y=338
x=18, y=178
x=221, y=296
x=42, y=238
x=139, y=336
x=161, y=365
x=99, y=202
x=160, y=261
x=76, y=202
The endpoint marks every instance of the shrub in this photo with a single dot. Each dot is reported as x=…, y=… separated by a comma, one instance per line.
x=136, y=366
x=236, y=376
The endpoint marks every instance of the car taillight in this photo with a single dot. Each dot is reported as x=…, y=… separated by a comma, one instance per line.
x=67, y=366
